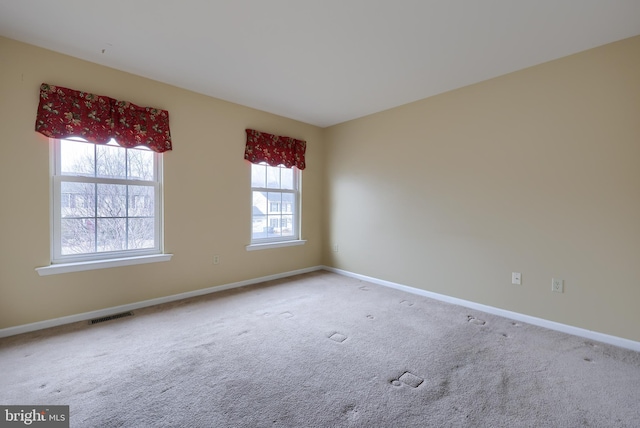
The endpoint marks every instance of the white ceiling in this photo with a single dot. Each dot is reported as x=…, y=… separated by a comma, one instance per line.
x=319, y=61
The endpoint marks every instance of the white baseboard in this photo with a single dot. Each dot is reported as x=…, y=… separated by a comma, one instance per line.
x=552, y=325
x=40, y=325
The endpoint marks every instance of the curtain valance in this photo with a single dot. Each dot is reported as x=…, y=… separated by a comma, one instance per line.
x=274, y=150
x=64, y=113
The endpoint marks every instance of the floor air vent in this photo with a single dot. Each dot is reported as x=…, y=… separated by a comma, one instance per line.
x=110, y=317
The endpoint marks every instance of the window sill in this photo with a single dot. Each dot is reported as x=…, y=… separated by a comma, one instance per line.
x=101, y=264
x=254, y=247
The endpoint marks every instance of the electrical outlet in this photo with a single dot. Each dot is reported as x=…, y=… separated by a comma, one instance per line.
x=216, y=260
x=335, y=248
x=557, y=285
x=516, y=278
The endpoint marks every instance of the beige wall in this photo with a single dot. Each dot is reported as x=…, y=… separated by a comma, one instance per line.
x=535, y=172
x=207, y=197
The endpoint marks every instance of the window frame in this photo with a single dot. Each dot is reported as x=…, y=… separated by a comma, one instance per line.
x=296, y=212
x=102, y=258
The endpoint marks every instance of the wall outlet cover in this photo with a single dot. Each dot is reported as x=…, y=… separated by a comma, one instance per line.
x=557, y=285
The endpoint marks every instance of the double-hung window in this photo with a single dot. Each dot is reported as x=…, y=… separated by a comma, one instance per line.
x=106, y=201
x=276, y=203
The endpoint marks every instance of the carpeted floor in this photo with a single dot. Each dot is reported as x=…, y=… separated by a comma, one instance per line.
x=320, y=350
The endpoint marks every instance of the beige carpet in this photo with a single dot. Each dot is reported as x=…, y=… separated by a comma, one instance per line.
x=320, y=350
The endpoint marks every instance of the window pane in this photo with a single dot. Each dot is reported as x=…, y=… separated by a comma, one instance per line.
x=112, y=200
x=111, y=234
x=141, y=233
x=274, y=226
x=275, y=202
x=258, y=175
x=286, y=225
x=273, y=219
x=259, y=215
x=77, y=200
x=288, y=199
x=110, y=161
x=140, y=163
x=287, y=178
x=273, y=177
x=77, y=236
x=77, y=158
x=141, y=201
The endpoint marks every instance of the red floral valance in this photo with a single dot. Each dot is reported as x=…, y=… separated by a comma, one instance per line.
x=64, y=113
x=274, y=150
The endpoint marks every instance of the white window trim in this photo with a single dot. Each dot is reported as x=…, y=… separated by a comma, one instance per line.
x=266, y=246
x=284, y=241
x=102, y=260
x=59, y=268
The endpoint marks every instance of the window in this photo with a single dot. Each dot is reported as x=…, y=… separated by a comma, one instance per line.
x=106, y=201
x=275, y=188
